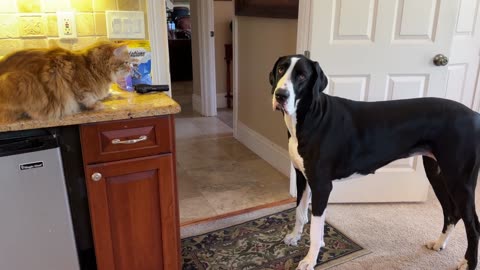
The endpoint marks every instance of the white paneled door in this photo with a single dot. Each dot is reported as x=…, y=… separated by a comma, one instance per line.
x=464, y=56
x=383, y=50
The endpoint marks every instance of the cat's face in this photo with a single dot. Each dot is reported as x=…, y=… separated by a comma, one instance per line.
x=111, y=59
x=120, y=63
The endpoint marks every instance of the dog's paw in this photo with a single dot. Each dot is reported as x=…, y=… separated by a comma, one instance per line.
x=322, y=244
x=307, y=264
x=436, y=245
x=292, y=238
x=463, y=265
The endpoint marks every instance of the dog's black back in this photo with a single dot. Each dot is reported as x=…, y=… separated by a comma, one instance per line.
x=381, y=132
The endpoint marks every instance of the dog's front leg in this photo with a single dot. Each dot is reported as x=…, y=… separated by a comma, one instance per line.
x=320, y=194
x=301, y=214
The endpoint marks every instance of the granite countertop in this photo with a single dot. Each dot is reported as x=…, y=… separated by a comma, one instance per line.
x=120, y=105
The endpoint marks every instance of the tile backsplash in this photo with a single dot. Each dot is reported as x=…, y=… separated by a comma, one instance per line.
x=33, y=23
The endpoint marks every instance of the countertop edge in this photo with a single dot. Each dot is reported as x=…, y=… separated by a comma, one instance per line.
x=88, y=118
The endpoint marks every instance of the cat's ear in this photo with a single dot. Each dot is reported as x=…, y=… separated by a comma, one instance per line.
x=120, y=50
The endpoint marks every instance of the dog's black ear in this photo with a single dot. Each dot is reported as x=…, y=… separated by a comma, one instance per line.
x=321, y=81
x=319, y=86
x=272, y=76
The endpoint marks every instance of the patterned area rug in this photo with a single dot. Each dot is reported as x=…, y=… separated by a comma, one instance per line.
x=258, y=244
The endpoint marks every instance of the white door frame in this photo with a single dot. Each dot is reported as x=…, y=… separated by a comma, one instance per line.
x=157, y=19
x=158, y=33
x=206, y=51
x=303, y=26
x=303, y=44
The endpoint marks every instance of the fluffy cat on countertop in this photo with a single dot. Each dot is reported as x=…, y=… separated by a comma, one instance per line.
x=53, y=83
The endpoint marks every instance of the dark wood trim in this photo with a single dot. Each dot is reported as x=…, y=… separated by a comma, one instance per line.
x=238, y=212
x=173, y=212
x=287, y=9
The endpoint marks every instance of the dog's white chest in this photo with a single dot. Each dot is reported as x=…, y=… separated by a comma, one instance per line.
x=297, y=160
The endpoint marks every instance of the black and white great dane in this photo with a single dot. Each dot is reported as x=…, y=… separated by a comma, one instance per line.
x=333, y=138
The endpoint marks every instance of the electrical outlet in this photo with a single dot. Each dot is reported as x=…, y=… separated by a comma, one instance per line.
x=125, y=24
x=67, y=27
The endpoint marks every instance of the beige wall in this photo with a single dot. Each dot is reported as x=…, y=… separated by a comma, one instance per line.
x=33, y=23
x=261, y=42
x=224, y=12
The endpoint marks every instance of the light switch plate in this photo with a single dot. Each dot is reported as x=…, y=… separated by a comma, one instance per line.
x=125, y=24
x=67, y=27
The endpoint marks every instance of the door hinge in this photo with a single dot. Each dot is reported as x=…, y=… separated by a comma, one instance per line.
x=307, y=54
x=212, y=34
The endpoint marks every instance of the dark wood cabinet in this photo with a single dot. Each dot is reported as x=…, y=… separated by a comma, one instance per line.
x=287, y=9
x=133, y=201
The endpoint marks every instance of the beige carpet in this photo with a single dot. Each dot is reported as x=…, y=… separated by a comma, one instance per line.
x=395, y=234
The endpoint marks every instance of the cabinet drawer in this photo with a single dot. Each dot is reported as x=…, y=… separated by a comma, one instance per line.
x=123, y=139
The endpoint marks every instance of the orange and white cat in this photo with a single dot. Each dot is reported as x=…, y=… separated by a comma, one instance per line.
x=53, y=83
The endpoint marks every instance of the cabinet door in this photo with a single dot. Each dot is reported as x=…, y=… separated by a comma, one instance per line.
x=134, y=214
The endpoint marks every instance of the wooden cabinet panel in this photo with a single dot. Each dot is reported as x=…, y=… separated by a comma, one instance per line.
x=134, y=214
x=124, y=139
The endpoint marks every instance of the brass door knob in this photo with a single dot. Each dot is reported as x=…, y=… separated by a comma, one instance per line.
x=96, y=176
x=440, y=60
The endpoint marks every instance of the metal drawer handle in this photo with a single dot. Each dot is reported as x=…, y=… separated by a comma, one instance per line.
x=140, y=139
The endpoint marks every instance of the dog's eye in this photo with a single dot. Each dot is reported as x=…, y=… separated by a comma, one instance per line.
x=301, y=77
x=281, y=70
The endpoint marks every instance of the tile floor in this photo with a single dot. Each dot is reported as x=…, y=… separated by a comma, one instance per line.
x=216, y=173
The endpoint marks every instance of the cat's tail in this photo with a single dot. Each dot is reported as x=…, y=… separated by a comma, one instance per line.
x=22, y=93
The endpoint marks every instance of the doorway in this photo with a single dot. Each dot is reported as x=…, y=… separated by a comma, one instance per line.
x=216, y=174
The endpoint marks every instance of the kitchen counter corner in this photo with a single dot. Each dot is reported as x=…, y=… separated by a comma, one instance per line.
x=120, y=105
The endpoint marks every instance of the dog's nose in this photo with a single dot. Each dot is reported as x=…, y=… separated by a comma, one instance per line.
x=281, y=95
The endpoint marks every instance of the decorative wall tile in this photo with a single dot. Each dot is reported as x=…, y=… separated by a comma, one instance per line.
x=29, y=5
x=146, y=25
x=83, y=42
x=102, y=5
x=8, y=6
x=100, y=24
x=85, y=24
x=128, y=5
x=65, y=43
x=101, y=38
x=82, y=5
x=52, y=27
x=28, y=23
x=8, y=26
x=32, y=25
x=56, y=5
x=10, y=45
x=143, y=5
x=35, y=43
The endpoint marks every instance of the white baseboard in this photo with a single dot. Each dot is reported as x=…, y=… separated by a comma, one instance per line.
x=197, y=101
x=266, y=149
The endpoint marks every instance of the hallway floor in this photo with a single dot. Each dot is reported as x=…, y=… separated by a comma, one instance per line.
x=216, y=173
